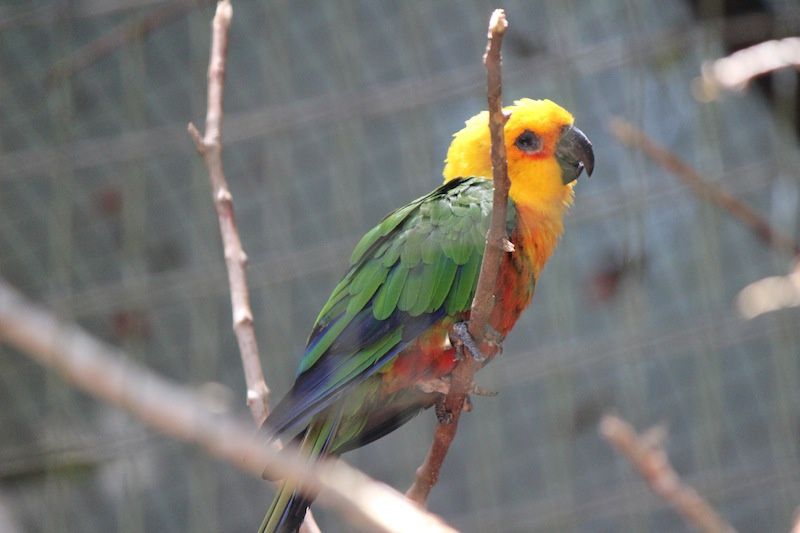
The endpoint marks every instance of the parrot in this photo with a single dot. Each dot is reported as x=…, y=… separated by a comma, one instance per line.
x=386, y=328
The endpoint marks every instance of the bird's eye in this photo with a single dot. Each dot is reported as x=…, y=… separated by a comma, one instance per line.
x=528, y=142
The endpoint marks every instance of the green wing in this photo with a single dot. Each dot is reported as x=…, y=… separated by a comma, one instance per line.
x=419, y=264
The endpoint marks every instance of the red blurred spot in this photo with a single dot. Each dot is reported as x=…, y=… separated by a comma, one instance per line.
x=108, y=201
x=607, y=279
x=130, y=324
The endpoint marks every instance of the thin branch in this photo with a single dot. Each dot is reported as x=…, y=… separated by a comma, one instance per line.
x=485, y=298
x=647, y=456
x=734, y=72
x=210, y=147
x=110, y=375
x=632, y=136
x=762, y=296
x=119, y=36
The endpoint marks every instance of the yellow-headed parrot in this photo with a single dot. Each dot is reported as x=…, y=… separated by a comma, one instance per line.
x=385, y=327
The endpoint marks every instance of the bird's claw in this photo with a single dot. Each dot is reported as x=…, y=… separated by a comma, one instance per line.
x=467, y=404
x=442, y=386
x=443, y=415
x=461, y=338
x=477, y=390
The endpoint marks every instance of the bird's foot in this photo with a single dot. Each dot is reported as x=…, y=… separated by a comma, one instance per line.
x=443, y=415
x=477, y=390
x=467, y=404
x=442, y=386
x=461, y=338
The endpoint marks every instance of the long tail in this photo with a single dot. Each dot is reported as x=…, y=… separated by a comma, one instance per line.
x=288, y=509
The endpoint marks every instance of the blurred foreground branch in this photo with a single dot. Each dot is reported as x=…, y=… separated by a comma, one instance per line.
x=108, y=374
x=485, y=299
x=632, y=136
x=210, y=147
x=647, y=456
x=734, y=72
x=8, y=522
x=772, y=293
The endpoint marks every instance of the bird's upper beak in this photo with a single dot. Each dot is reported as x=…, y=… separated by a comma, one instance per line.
x=574, y=153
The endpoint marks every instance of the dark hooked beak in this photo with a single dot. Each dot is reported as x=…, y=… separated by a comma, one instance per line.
x=574, y=153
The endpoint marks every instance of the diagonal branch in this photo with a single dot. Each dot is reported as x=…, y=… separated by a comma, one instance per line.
x=485, y=298
x=210, y=147
x=632, y=136
x=110, y=375
x=648, y=457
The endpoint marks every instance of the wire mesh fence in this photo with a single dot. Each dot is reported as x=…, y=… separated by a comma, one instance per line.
x=337, y=112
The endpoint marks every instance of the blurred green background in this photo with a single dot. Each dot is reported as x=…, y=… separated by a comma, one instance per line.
x=337, y=112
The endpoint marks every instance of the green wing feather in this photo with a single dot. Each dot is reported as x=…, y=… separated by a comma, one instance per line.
x=417, y=265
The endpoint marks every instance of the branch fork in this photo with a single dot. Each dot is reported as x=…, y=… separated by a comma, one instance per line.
x=209, y=146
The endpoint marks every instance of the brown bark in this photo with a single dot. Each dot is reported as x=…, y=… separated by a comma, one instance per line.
x=486, y=297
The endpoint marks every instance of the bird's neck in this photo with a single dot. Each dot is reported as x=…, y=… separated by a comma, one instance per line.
x=538, y=231
x=541, y=200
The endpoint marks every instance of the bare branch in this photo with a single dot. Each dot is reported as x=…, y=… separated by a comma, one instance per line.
x=734, y=72
x=485, y=299
x=762, y=296
x=647, y=456
x=108, y=374
x=210, y=147
x=632, y=136
x=497, y=241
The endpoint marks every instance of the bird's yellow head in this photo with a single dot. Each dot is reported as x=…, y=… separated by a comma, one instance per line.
x=545, y=153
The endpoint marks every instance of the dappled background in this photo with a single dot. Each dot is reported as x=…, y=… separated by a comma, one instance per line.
x=338, y=112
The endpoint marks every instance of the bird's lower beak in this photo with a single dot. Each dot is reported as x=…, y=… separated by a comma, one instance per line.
x=574, y=153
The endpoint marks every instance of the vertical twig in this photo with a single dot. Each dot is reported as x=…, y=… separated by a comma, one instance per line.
x=485, y=298
x=210, y=147
x=646, y=455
